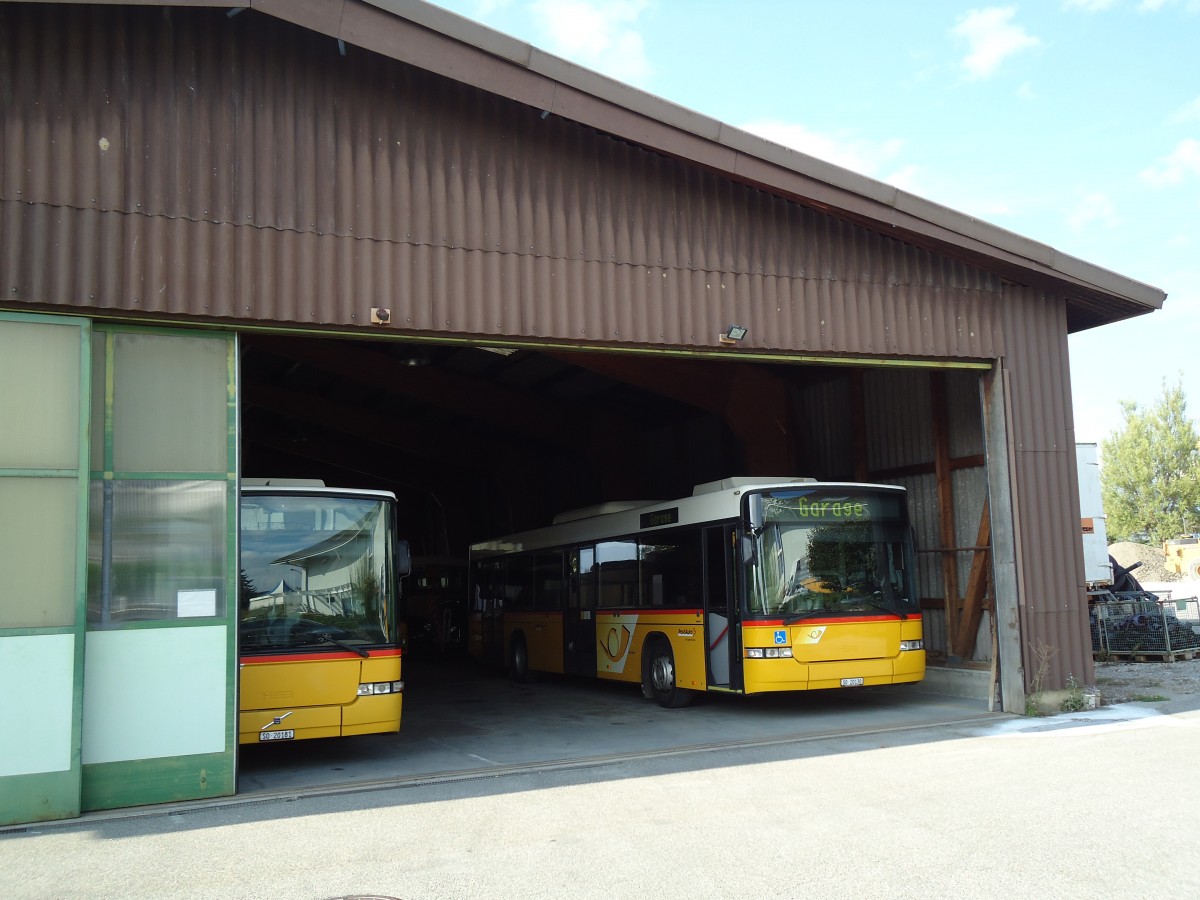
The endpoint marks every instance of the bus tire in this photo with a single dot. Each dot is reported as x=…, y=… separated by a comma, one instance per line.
x=518, y=660
x=658, y=675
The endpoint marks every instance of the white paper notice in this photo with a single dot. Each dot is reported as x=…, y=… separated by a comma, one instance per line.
x=196, y=603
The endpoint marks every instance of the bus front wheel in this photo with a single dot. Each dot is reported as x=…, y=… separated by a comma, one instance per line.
x=658, y=676
x=518, y=660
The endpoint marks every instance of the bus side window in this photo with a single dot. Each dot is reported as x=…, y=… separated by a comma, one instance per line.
x=518, y=593
x=617, y=562
x=548, y=580
x=670, y=568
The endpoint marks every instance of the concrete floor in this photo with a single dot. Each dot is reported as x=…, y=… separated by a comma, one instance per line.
x=461, y=720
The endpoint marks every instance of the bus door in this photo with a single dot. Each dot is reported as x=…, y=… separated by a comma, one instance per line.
x=579, y=618
x=720, y=612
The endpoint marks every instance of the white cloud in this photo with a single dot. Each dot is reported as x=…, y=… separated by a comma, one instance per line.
x=1183, y=161
x=842, y=149
x=600, y=34
x=1189, y=112
x=1091, y=209
x=991, y=38
x=906, y=178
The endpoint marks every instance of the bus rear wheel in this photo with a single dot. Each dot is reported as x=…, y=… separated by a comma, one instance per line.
x=518, y=660
x=658, y=676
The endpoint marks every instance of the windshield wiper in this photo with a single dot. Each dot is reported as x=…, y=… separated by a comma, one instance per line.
x=330, y=639
x=895, y=612
x=806, y=614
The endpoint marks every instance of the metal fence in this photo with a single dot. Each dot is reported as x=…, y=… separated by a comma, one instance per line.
x=1142, y=625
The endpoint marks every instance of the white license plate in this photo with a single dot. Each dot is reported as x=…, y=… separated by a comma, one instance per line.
x=852, y=682
x=290, y=733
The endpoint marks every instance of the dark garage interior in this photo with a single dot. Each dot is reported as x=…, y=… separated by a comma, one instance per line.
x=481, y=441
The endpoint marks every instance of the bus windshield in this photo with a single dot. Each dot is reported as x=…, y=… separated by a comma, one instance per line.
x=316, y=572
x=830, y=552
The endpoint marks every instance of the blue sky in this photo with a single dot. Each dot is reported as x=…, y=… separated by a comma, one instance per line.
x=1072, y=122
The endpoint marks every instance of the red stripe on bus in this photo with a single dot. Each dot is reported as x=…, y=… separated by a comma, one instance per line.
x=827, y=620
x=643, y=611
x=310, y=657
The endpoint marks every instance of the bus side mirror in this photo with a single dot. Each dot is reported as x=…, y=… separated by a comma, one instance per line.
x=755, y=503
x=748, y=545
x=403, y=559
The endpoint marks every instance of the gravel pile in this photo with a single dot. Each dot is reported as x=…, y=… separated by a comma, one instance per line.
x=1153, y=561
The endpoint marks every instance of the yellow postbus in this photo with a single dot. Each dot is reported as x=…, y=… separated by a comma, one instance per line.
x=318, y=625
x=748, y=585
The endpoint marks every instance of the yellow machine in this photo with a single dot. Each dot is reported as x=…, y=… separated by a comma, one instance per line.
x=1183, y=556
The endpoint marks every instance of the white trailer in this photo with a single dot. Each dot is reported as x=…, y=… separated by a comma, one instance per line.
x=1096, y=566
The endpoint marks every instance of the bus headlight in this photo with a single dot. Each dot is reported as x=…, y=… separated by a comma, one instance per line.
x=381, y=687
x=911, y=645
x=768, y=653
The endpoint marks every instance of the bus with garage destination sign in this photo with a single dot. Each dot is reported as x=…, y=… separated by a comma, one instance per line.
x=748, y=585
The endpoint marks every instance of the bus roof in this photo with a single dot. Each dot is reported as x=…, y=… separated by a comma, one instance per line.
x=283, y=487
x=715, y=501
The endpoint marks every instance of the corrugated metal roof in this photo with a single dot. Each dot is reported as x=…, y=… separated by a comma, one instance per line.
x=887, y=205
x=242, y=169
x=439, y=41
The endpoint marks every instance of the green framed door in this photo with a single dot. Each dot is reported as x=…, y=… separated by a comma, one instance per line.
x=160, y=676
x=44, y=372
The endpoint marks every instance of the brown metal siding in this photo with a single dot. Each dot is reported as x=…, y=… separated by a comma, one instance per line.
x=1045, y=488
x=251, y=172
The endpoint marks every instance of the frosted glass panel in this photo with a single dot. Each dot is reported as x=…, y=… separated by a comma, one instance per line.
x=37, y=552
x=39, y=396
x=167, y=550
x=170, y=404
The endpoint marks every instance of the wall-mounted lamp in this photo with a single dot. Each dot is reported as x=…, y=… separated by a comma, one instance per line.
x=380, y=316
x=732, y=335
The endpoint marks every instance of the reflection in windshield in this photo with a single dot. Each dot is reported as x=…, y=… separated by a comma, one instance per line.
x=316, y=572
x=821, y=554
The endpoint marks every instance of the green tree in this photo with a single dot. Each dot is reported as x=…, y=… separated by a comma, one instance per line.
x=1150, y=472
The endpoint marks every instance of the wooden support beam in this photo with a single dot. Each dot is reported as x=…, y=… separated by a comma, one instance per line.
x=977, y=586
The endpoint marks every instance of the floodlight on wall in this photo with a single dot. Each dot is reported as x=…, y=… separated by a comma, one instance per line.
x=380, y=316
x=732, y=335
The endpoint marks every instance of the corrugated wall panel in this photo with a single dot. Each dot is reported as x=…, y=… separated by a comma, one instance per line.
x=826, y=447
x=241, y=168
x=899, y=417
x=923, y=510
x=1046, y=491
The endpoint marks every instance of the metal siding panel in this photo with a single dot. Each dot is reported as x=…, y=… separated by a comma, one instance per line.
x=899, y=419
x=965, y=415
x=1054, y=609
x=923, y=513
x=352, y=180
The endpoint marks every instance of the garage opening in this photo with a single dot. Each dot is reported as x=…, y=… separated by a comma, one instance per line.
x=481, y=441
